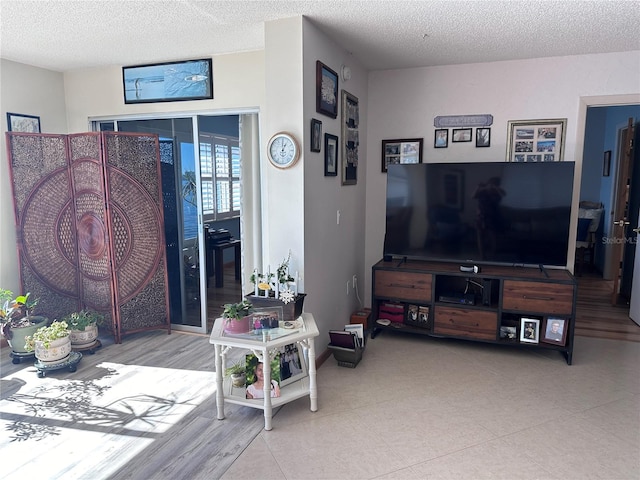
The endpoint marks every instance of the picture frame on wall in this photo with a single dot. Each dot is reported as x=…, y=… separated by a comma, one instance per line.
x=461, y=135
x=168, y=82
x=536, y=140
x=441, y=138
x=350, y=138
x=326, y=90
x=19, y=122
x=316, y=135
x=330, y=155
x=401, y=152
x=483, y=137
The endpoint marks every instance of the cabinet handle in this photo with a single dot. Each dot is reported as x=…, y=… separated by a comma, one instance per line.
x=534, y=297
x=402, y=285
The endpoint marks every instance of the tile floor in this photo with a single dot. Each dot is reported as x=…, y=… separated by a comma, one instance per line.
x=418, y=408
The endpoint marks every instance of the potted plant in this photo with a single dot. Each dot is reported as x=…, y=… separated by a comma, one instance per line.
x=18, y=322
x=237, y=316
x=51, y=344
x=83, y=327
x=237, y=374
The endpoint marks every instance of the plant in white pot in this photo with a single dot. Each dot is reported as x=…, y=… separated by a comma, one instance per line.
x=51, y=344
x=237, y=374
x=18, y=322
x=237, y=316
x=83, y=327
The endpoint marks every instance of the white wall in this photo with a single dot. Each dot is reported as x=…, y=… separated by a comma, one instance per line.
x=333, y=253
x=31, y=91
x=403, y=104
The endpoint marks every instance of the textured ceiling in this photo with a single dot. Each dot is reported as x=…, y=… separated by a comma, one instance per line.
x=65, y=35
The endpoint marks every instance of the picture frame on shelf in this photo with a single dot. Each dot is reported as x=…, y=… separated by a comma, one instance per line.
x=267, y=317
x=555, y=331
x=19, y=122
x=529, y=330
x=330, y=155
x=536, y=140
x=461, y=135
x=252, y=363
x=350, y=138
x=441, y=138
x=292, y=364
x=401, y=152
x=326, y=90
x=168, y=82
x=316, y=135
x=483, y=137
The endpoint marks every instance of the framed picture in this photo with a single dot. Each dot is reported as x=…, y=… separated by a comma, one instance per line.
x=350, y=138
x=326, y=90
x=555, y=331
x=17, y=122
x=330, y=155
x=529, y=330
x=292, y=364
x=267, y=317
x=461, y=135
x=401, y=152
x=483, y=137
x=255, y=376
x=606, y=165
x=536, y=140
x=168, y=82
x=441, y=139
x=316, y=135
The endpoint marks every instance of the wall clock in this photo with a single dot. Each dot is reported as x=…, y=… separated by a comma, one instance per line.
x=283, y=150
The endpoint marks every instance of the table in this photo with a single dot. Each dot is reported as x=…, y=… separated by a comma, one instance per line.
x=266, y=344
x=218, y=251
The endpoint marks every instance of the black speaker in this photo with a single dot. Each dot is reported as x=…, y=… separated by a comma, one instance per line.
x=486, y=291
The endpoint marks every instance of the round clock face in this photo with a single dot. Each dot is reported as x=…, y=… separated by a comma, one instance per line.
x=283, y=150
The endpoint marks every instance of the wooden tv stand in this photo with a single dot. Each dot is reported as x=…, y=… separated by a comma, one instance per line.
x=483, y=306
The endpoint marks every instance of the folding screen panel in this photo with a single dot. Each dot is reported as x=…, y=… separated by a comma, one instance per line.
x=90, y=225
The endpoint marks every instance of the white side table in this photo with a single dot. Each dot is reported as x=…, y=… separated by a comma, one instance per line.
x=264, y=346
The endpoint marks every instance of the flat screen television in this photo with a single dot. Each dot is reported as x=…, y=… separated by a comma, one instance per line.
x=505, y=213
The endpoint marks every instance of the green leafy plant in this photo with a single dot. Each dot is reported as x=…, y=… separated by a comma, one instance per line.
x=82, y=319
x=15, y=312
x=237, y=368
x=283, y=270
x=46, y=335
x=237, y=311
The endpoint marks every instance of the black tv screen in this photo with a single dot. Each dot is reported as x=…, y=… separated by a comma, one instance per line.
x=485, y=212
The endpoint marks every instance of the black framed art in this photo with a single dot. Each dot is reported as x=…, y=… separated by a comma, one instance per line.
x=168, y=82
x=330, y=155
x=316, y=135
x=326, y=90
x=18, y=122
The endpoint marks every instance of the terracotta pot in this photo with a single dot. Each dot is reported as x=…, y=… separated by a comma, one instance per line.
x=238, y=326
x=84, y=338
x=58, y=351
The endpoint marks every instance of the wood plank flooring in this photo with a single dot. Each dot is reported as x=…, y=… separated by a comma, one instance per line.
x=596, y=317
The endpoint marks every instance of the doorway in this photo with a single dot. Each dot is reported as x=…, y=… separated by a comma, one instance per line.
x=604, y=122
x=203, y=162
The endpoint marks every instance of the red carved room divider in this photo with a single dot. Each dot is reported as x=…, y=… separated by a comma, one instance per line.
x=89, y=223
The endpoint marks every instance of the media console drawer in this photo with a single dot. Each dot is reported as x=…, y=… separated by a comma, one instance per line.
x=461, y=322
x=403, y=285
x=537, y=297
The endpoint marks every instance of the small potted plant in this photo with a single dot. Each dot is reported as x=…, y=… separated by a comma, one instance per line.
x=51, y=344
x=237, y=316
x=18, y=322
x=83, y=327
x=237, y=374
